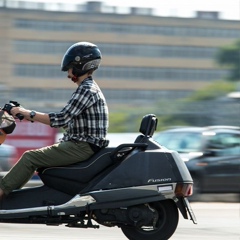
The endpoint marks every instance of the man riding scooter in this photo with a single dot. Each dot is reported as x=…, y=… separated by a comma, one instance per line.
x=84, y=119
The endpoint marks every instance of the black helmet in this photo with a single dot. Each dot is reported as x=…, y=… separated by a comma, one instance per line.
x=82, y=57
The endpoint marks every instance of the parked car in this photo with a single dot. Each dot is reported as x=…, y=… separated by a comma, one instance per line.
x=212, y=155
x=8, y=156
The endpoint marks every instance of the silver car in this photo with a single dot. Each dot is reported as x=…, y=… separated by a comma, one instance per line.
x=211, y=154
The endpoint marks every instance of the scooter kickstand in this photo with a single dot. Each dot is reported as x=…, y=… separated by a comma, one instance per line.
x=89, y=221
x=90, y=224
x=82, y=224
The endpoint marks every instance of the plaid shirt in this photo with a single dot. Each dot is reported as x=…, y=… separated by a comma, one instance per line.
x=85, y=117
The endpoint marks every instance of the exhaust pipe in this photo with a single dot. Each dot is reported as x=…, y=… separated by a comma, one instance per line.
x=59, y=210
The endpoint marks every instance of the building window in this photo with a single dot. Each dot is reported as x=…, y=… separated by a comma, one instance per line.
x=125, y=28
x=131, y=73
x=115, y=49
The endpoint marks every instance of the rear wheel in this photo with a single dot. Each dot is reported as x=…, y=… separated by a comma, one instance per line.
x=164, y=227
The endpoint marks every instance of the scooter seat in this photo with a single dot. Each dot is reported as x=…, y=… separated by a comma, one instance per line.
x=81, y=172
x=78, y=175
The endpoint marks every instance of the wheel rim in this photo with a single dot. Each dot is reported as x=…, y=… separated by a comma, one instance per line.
x=166, y=224
x=160, y=221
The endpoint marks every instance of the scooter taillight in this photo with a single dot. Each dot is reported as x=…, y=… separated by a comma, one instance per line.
x=184, y=189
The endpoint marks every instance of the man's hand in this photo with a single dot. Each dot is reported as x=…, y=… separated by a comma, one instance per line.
x=18, y=111
x=8, y=108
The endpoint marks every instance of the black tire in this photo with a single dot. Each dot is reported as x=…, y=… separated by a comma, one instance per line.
x=165, y=227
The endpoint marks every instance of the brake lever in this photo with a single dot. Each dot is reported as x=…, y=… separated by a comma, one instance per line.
x=8, y=106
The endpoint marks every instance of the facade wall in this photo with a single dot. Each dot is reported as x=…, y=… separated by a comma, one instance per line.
x=143, y=56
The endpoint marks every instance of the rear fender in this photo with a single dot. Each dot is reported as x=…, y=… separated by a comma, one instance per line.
x=185, y=209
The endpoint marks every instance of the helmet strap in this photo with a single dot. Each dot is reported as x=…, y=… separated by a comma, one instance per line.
x=77, y=72
x=74, y=79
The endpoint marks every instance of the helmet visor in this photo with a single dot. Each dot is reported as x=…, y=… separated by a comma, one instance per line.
x=67, y=62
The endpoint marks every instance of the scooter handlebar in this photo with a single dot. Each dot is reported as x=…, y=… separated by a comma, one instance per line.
x=8, y=106
x=20, y=116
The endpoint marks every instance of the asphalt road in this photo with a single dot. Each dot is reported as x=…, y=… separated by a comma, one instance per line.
x=216, y=221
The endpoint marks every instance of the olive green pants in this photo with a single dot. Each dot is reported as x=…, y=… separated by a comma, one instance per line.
x=59, y=154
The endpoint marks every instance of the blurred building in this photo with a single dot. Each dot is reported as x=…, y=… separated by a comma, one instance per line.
x=145, y=57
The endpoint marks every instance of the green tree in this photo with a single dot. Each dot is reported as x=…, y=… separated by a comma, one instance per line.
x=229, y=56
x=117, y=122
x=212, y=91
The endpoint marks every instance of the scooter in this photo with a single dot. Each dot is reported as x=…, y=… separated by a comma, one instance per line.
x=139, y=187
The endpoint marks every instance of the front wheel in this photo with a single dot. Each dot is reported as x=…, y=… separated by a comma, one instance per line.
x=163, y=229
